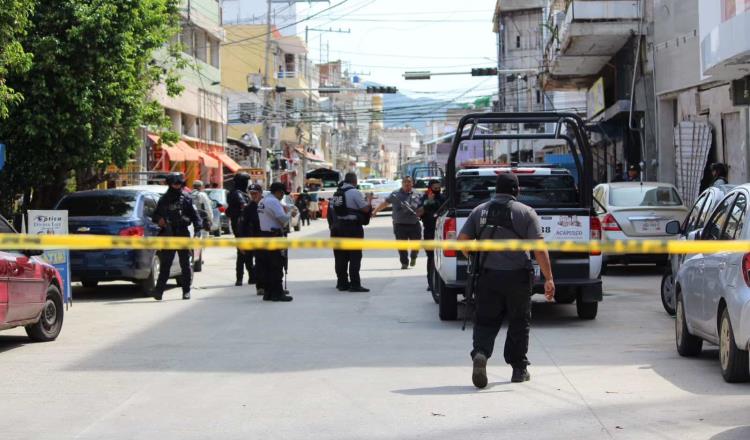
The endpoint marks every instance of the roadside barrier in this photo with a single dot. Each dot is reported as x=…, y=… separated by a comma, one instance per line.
x=106, y=242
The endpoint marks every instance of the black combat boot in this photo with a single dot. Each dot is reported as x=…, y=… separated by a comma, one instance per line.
x=479, y=372
x=520, y=374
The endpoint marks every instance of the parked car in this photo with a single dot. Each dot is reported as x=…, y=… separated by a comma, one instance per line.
x=637, y=211
x=713, y=290
x=30, y=293
x=220, y=196
x=125, y=212
x=693, y=223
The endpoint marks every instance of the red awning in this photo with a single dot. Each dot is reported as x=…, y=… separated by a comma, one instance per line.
x=208, y=161
x=228, y=162
x=191, y=154
x=174, y=154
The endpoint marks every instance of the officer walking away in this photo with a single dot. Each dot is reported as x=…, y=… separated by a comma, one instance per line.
x=203, y=204
x=431, y=203
x=504, y=285
x=174, y=214
x=719, y=174
x=273, y=217
x=303, y=206
x=237, y=201
x=250, y=227
x=350, y=213
x=407, y=211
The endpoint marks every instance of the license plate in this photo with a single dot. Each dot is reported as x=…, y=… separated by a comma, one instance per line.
x=648, y=226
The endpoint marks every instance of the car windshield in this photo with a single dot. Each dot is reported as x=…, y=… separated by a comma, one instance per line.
x=643, y=195
x=218, y=195
x=535, y=191
x=99, y=205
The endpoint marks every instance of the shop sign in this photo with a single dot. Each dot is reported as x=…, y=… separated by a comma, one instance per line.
x=54, y=223
x=595, y=99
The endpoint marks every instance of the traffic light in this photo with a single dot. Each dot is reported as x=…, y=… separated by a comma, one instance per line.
x=484, y=71
x=382, y=90
x=253, y=89
x=280, y=89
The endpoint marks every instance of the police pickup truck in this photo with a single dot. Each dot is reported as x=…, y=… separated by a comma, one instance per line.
x=564, y=208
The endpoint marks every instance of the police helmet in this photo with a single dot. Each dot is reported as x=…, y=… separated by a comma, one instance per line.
x=173, y=178
x=277, y=186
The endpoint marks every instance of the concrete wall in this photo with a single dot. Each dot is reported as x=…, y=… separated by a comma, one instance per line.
x=676, y=45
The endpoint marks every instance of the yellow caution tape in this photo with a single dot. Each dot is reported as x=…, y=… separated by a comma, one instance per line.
x=106, y=242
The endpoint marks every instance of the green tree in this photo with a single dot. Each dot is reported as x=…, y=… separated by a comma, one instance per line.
x=88, y=90
x=14, y=18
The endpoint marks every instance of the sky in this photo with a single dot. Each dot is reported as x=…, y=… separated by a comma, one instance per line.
x=390, y=37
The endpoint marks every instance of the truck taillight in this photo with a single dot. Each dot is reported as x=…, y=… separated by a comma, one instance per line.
x=449, y=233
x=610, y=224
x=596, y=232
x=746, y=269
x=134, y=231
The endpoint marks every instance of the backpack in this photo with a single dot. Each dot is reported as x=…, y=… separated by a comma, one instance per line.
x=339, y=202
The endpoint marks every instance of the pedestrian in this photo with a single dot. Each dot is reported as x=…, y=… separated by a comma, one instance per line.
x=407, y=210
x=719, y=174
x=250, y=227
x=237, y=201
x=431, y=203
x=348, y=215
x=303, y=206
x=174, y=213
x=203, y=204
x=314, y=205
x=634, y=173
x=504, y=285
x=273, y=218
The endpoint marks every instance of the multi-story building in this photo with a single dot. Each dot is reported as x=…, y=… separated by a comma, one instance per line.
x=283, y=15
x=199, y=113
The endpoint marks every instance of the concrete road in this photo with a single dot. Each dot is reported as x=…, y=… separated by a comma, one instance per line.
x=333, y=365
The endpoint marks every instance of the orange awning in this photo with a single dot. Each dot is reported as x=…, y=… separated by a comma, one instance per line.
x=191, y=154
x=228, y=162
x=174, y=154
x=208, y=161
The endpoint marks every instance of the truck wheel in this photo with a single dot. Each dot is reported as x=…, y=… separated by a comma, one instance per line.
x=448, y=301
x=667, y=293
x=734, y=362
x=586, y=310
x=50, y=322
x=687, y=344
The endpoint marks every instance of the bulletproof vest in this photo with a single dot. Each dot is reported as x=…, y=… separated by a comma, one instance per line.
x=175, y=213
x=339, y=202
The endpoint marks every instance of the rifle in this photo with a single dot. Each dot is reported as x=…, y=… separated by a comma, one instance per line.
x=473, y=271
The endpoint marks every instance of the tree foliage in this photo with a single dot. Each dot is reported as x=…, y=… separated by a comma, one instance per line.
x=87, y=91
x=14, y=18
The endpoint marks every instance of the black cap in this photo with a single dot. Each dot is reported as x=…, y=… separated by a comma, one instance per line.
x=506, y=183
x=256, y=188
x=277, y=186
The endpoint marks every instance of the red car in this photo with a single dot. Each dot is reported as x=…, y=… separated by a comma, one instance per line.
x=30, y=293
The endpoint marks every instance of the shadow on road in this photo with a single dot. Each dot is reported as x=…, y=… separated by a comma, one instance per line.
x=8, y=343
x=739, y=433
x=453, y=390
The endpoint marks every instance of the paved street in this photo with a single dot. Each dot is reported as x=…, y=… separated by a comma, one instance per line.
x=336, y=365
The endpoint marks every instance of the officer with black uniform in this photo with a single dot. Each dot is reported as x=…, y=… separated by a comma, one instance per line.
x=431, y=203
x=174, y=213
x=273, y=217
x=504, y=285
x=250, y=227
x=237, y=201
x=350, y=211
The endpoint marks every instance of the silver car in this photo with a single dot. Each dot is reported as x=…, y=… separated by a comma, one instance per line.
x=694, y=222
x=713, y=290
x=637, y=211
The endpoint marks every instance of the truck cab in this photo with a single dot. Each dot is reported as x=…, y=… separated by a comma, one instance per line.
x=563, y=203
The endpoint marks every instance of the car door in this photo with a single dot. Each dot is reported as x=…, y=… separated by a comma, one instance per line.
x=705, y=275
x=26, y=286
x=151, y=229
x=722, y=268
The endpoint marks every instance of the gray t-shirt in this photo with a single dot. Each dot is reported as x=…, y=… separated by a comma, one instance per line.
x=405, y=206
x=525, y=227
x=354, y=201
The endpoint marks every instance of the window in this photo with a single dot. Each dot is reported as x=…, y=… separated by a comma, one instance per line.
x=643, y=195
x=149, y=206
x=691, y=222
x=518, y=41
x=710, y=200
x=538, y=97
x=100, y=205
x=736, y=219
x=715, y=225
x=598, y=205
x=535, y=191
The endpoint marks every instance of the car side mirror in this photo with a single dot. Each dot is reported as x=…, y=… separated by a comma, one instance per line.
x=673, y=228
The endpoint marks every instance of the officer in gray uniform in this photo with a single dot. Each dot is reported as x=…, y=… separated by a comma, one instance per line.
x=407, y=212
x=273, y=216
x=504, y=285
x=348, y=221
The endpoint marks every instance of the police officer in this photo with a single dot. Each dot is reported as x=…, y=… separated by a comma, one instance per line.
x=431, y=203
x=504, y=284
x=407, y=211
x=174, y=213
x=203, y=204
x=273, y=217
x=237, y=201
x=250, y=227
x=348, y=221
x=718, y=174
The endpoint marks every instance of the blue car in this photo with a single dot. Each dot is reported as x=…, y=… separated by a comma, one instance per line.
x=125, y=212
